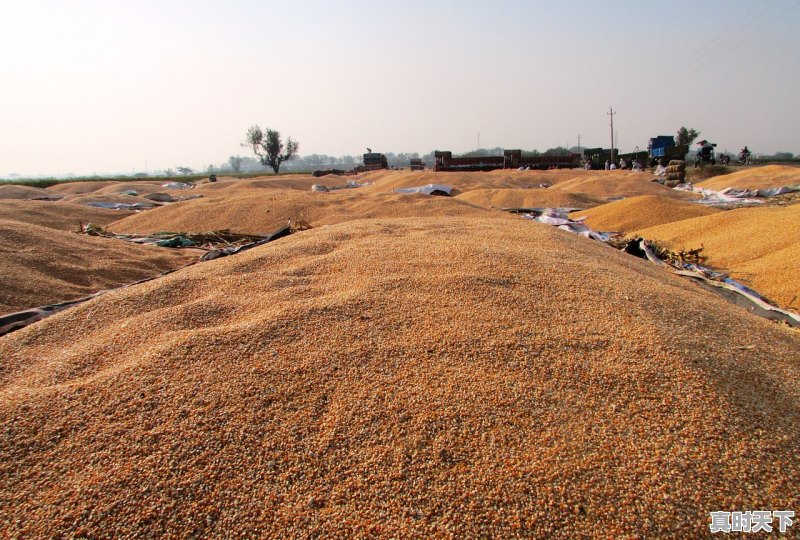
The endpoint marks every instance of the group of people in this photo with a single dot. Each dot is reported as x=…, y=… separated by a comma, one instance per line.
x=633, y=165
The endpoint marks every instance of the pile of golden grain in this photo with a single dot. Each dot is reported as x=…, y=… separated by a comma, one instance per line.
x=420, y=377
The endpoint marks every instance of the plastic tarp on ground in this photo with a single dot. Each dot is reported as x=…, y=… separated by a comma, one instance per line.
x=177, y=185
x=428, y=189
x=351, y=184
x=120, y=206
x=559, y=218
x=732, y=290
x=21, y=319
x=736, y=196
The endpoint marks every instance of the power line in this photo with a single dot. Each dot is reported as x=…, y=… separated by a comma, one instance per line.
x=709, y=60
x=709, y=49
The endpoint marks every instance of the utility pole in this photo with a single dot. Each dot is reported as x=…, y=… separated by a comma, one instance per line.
x=611, y=113
x=479, y=140
x=579, y=143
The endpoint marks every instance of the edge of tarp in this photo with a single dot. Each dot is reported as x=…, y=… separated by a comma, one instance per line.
x=20, y=319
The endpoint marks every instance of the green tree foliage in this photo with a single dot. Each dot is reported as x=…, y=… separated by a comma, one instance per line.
x=557, y=151
x=686, y=136
x=269, y=148
x=185, y=171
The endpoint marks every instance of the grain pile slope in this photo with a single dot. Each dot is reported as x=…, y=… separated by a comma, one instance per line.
x=465, y=181
x=528, y=198
x=619, y=184
x=14, y=191
x=298, y=182
x=756, y=178
x=257, y=211
x=77, y=188
x=397, y=378
x=58, y=215
x=759, y=246
x=630, y=215
x=43, y=266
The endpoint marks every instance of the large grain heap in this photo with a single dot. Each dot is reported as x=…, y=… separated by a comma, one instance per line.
x=428, y=377
x=42, y=265
x=630, y=215
x=19, y=192
x=259, y=211
x=759, y=246
x=619, y=184
x=767, y=176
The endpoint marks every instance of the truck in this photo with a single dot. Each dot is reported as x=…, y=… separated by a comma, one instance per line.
x=663, y=148
x=511, y=159
x=374, y=161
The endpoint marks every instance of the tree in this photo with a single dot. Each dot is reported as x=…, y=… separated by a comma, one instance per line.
x=269, y=148
x=686, y=136
x=236, y=163
x=169, y=172
x=185, y=171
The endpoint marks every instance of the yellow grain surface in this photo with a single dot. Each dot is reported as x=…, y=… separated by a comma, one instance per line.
x=528, y=198
x=259, y=211
x=630, y=215
x=13, y=191
x=759, y=246
x=436, y=377
x=619, y=184
x=58, y=215
x=766, y=176
x=41, y=265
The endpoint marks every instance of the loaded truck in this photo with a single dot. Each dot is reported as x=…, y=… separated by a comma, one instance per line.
x=663, y=148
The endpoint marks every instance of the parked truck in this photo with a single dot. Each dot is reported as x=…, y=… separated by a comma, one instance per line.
x=374, y=161
x=663, y=148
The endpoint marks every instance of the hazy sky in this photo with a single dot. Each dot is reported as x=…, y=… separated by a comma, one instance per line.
x=105, y=86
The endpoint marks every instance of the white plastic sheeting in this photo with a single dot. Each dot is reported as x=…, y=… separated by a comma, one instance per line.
x=177, y=185
x=736, y=196
x=559, y=218
x=427, y=189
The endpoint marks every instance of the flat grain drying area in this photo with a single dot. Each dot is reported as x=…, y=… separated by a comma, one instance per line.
x=759, y=246
x=436, y=377
x=58, y=215
x=631, y=215
x=41, y=265
x=755, y=178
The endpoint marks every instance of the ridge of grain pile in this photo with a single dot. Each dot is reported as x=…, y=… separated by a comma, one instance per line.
x=260, y=211
x=80, y=188
x=466, y=181
x=19, y=192
x=755, y=178
x=528, y=198
x=759, y=246
x=41, y=265
x=284, y=182
x=58, y=215
x=630, y=215
x=425, y=377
